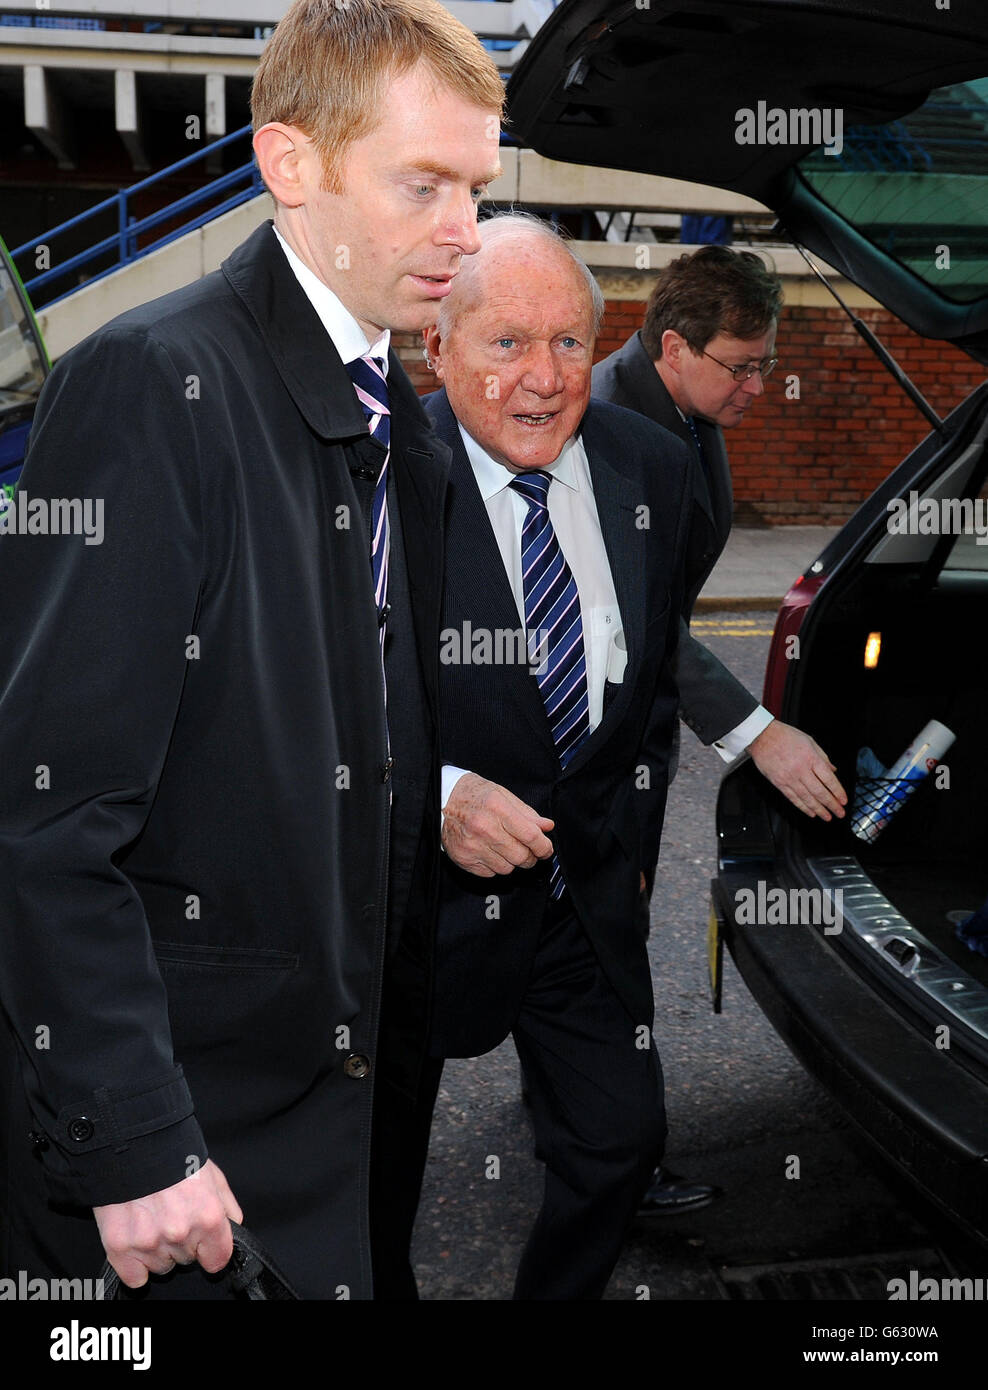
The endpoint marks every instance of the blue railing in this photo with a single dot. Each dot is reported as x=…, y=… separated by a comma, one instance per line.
x=122, y=245
x=230, y=189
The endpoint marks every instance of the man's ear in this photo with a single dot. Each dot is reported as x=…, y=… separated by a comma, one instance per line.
x=282, y=153
x=673, y=347
x=433, y=347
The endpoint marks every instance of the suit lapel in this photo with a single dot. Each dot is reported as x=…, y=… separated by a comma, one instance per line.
x=421, y=475
x=475, y=572
x=303, y=353
x=616, y=499
x=721, y=506
x=713, y=448
x=648, y=390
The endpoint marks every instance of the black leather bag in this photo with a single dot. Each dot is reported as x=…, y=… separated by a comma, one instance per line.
x=251, y=1272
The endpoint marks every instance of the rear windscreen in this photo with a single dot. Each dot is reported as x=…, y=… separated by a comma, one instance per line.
x=918, y=188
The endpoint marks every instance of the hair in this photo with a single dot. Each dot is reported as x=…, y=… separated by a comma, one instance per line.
x=497, y=228
x=324, y=67
x=710, y=291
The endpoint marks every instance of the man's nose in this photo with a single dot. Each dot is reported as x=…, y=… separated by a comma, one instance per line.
x=754, y=385
x=542, y=374
x=458, y=225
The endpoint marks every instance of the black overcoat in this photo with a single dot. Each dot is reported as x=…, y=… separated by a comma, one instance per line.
x=194, y=815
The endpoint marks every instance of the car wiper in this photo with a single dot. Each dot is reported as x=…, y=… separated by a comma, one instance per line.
x=878, y=348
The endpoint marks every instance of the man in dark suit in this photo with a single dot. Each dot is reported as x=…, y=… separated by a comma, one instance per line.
x=696, y=367
x=566, y=525
x=218, y=844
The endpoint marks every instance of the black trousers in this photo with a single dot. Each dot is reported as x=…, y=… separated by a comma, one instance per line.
x=399, y=1148
x=596, y=1093
x=597, y=1109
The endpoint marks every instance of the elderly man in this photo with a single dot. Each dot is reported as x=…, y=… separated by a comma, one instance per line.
x=218, y=842
x=567, y=524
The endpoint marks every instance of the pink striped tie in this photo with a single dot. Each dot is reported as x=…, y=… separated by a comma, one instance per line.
x=370, y=383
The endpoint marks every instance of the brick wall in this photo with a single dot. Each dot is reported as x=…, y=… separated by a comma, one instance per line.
x=812, y=460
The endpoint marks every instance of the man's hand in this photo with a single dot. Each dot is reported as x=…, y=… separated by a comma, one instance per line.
x=798, y=766
x=179, y=1225
x=488, y=830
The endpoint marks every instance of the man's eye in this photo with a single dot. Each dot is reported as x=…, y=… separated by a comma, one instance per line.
x=479, y=192
x=569, y=341
x=422, y=190
x=506, y=342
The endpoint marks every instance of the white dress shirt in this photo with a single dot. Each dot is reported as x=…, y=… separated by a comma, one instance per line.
x=573, y=513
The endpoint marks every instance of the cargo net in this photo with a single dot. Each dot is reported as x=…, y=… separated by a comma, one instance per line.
x=876, y=801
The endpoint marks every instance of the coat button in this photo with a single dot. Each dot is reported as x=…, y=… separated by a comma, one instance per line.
x=357, y=1065
x=39, y=1141
x=81, y=1129
x=387, y=769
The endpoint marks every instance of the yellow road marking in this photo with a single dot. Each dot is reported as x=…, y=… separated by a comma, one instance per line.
x=708, y=629
x=726, y=622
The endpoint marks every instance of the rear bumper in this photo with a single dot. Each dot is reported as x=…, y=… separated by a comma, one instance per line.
x=925, y=1112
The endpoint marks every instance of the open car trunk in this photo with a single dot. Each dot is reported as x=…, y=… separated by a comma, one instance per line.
x=927, y=596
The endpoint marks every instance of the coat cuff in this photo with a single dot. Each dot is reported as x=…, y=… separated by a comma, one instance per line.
x=121, y=1144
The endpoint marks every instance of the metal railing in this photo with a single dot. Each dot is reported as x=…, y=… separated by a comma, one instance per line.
x=122, y=246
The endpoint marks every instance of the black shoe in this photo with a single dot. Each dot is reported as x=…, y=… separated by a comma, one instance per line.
x=671, y=1195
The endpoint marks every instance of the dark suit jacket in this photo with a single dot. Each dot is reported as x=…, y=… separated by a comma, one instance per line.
x=712, y=700
x=609, y=802
x=193, y=897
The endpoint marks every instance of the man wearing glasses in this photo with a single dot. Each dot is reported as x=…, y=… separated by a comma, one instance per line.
x=697, y=366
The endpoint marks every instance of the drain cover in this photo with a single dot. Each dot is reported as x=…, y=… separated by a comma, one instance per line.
x=860, y=1277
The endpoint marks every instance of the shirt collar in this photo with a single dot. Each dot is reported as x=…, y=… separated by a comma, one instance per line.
x=493, y=477
x=348, y=337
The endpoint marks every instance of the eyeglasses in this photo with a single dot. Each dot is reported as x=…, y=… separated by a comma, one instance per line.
x=745, y=372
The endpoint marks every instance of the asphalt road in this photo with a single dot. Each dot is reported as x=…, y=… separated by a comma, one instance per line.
x=740, y=1109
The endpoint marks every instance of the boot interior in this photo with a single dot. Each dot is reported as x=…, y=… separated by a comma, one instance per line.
x=931, y=611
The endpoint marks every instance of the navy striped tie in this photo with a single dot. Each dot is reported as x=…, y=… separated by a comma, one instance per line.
x=555, y=629
x=370, y=383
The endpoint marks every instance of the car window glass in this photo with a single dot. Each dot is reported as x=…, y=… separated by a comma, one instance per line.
x=918, y=519
x=918, y=188
x=21, y=370
x=970, y=548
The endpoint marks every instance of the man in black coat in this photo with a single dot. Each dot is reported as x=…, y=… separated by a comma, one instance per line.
x=218, y=844
x=566, y=524
x=696, y=367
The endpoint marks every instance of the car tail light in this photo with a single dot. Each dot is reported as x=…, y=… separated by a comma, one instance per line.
x=782, y=650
